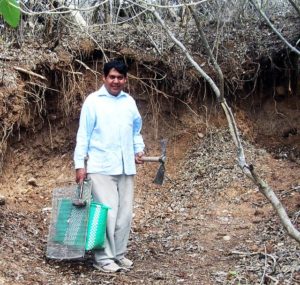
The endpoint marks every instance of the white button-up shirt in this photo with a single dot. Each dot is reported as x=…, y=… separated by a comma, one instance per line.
x=109, y=133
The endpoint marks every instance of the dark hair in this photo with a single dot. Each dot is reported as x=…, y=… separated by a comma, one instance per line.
x=120, y=66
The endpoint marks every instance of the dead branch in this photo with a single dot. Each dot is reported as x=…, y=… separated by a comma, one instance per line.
x=261, y=12
x=297, y=8
x=140, y=26
x=209, y=51
x=188, y=55
x=29, y=72
x=155, y=5
x=61, y=9
x=266, y=190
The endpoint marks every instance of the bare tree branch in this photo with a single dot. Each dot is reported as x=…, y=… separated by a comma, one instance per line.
x=297, y=8
x=59, y=10
x=187, y=54
x=209, y=51
x=277, y=205
x=170, y=6
x=261, y=12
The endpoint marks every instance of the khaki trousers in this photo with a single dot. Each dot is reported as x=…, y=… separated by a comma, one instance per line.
x=115, y=191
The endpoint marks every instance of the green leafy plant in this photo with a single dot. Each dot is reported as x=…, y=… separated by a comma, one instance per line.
x=10, y=10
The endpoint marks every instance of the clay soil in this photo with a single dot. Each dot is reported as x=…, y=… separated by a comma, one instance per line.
x=207, y=224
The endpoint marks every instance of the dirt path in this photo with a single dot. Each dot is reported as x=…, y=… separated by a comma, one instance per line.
x=206, y=225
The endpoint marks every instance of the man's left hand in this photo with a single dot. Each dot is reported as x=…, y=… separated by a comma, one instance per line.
x=138, y=158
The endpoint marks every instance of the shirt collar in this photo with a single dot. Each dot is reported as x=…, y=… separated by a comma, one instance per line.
x=103, y=92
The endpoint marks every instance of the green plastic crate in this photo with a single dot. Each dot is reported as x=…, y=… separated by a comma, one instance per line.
x=96, y=231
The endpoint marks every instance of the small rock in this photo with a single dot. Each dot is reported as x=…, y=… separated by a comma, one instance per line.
x=258, y=212
x=2, y=200
x=47, y=209
x=32, y=181
x=226, y=238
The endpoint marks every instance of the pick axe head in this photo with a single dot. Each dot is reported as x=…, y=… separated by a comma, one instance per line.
x=159, y=178
x=160, y=175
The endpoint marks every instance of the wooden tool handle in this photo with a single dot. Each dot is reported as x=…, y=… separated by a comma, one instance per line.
x=151, y=158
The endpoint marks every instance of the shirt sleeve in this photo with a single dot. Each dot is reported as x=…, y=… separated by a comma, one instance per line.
x=86, y=125
x=138, y=141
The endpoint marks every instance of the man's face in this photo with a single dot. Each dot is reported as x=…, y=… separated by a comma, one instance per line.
x=114, y=82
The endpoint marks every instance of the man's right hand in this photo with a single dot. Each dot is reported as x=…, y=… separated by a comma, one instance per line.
x=80, y=175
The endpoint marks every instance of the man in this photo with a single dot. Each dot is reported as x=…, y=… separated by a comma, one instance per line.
x=109, y=133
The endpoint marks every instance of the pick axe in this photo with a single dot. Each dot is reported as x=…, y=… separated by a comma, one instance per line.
x=159, y=178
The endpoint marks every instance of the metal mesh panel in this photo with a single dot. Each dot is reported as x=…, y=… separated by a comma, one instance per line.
x=68, y=225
